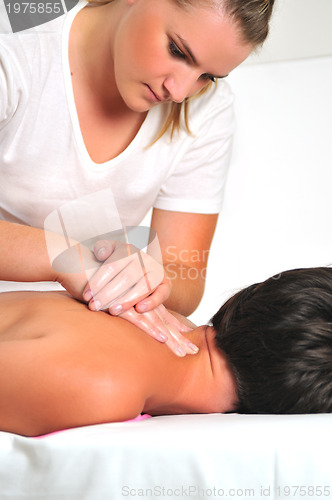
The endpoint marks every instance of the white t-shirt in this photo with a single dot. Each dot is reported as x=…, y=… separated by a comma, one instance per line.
x=43, y=159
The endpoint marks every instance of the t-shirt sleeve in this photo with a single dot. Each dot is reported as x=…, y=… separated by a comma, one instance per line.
x=9, y=93
x=197, y=182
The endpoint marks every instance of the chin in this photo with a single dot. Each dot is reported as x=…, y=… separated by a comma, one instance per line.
x=139, y=106
x=137, y=103
x=141, y=109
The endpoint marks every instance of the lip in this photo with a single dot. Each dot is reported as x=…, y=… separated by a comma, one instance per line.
x=153, y=95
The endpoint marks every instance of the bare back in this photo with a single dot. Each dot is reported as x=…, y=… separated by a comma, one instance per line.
x=62, y=365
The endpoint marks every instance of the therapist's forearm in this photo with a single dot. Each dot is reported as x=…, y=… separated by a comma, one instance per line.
x=23, y=255
x=187, y=287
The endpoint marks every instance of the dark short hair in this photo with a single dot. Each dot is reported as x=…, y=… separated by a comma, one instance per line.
x=277, y=336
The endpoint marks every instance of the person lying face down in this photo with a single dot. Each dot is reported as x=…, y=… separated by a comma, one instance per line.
x=63, y=366
x=268, y=350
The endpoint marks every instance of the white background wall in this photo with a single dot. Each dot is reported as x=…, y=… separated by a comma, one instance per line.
x=299, y=28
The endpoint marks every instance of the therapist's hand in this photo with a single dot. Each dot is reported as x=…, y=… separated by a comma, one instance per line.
x=126, y=276
x=164, y=327
x=79, y=264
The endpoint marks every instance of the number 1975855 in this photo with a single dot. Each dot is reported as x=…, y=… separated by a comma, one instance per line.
x=34, y=8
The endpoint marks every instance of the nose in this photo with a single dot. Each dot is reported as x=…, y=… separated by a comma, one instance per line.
x=182, y=84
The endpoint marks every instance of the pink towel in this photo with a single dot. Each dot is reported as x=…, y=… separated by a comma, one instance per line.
x=139, y=418
x=136, y=419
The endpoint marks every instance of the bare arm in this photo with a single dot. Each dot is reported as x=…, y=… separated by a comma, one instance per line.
x=185, y=241
x=23, y=255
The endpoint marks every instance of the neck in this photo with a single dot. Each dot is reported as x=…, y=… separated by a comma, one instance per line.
x=201, y=383
x=91, y=53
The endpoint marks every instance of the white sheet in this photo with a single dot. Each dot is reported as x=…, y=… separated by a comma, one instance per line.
x=192, y=456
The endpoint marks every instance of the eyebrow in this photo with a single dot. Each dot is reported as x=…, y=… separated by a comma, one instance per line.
x=193, y=58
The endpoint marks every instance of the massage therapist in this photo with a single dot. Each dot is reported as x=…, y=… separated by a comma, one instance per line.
x=127, y=95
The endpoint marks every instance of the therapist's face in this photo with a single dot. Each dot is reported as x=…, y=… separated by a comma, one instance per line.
x=164, y=52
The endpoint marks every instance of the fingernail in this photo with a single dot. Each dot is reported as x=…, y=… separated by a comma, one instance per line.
x=143, y=307
x=117, y=309
x=101, y=253
x=162, y=337
x=180, y=351
x=193, y=347
x=87, y=295
x=95, y=305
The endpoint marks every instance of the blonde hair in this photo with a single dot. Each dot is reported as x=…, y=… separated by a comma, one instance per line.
x=252, y=19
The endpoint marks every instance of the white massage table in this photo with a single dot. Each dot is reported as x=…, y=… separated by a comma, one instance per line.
x=277, y=215
x=185, y=456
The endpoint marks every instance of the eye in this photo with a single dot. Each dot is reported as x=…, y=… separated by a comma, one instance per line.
x=175, y=51
x=206, y=76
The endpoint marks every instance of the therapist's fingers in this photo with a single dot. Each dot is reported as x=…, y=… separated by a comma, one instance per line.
x=115, y=258
x=106, y=275
x=159, y=296
x=104, y=249
x=170, y=319
x=127, y=276
x=124, y=290
x=133, y=296
x=178, y=343
x=152, y=325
